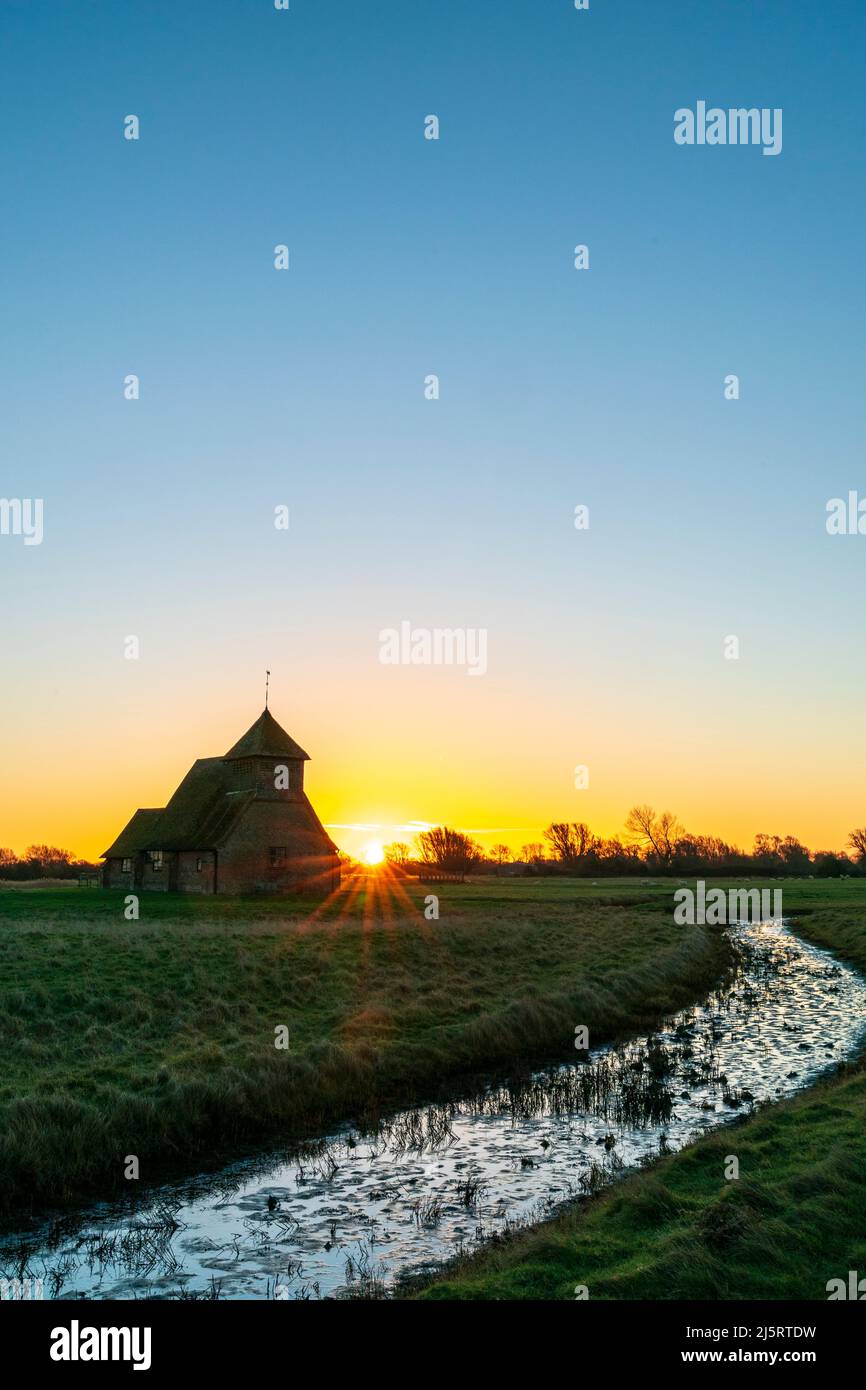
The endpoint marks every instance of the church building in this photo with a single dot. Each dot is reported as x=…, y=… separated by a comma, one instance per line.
x=241, y=823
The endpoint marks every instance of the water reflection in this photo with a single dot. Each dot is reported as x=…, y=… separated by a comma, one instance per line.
x=348, y=1215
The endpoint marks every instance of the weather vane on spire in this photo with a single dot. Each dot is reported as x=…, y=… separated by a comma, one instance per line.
x=267, y=682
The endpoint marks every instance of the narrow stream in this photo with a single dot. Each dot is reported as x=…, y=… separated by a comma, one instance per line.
x=349, y=1215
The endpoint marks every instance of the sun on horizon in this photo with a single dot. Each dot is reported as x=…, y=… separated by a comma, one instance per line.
x=373, y=853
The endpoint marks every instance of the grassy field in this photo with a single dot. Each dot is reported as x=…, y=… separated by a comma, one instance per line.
x=156, y=1037
x=793, y=1221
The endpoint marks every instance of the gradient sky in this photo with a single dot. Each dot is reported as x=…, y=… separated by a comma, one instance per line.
x=305, y=388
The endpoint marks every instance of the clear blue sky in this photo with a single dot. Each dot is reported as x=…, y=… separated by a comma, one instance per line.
x=454, y=257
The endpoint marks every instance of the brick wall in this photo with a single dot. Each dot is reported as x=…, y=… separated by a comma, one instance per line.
x=244, y=860
x=191, y=879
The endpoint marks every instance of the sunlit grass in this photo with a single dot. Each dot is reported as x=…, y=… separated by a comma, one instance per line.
x=156, y=1037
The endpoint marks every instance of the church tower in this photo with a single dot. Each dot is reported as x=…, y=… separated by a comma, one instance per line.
x=237, y=824
x=267, y=760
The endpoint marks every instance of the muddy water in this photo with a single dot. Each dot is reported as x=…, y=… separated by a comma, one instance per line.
x=353, y=1213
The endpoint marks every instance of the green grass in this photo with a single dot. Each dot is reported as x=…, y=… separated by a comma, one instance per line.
x=792, y=1221
x=156, y=1037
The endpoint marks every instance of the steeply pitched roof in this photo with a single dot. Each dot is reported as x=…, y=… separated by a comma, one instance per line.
x=201, y=810
x=207, y=803
x=135, y=836
x=266, y=739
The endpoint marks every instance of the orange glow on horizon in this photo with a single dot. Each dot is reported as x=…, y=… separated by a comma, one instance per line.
x=482, y=756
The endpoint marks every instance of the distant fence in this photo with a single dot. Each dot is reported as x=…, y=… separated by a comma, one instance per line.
x=88, y=880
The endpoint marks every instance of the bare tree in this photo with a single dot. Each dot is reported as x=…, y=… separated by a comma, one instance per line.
x=49, y=854
x=657, y=833
x=532, y=854
x=448, y=849
x=857, y=841
x=584, y=840
x=397, y=853
x=669, y=830
x=767, y=852
x=570, y=840
x=560, y=836
x=500, y=854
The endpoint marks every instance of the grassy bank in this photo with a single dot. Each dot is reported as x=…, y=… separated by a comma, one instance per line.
x=790, y=1223
x=156, y=1037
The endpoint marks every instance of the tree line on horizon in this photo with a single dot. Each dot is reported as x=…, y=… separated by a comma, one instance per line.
x=653, y=841
x=43, y=861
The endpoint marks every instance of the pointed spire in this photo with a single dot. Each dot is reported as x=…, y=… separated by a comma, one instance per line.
x=265, y=739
